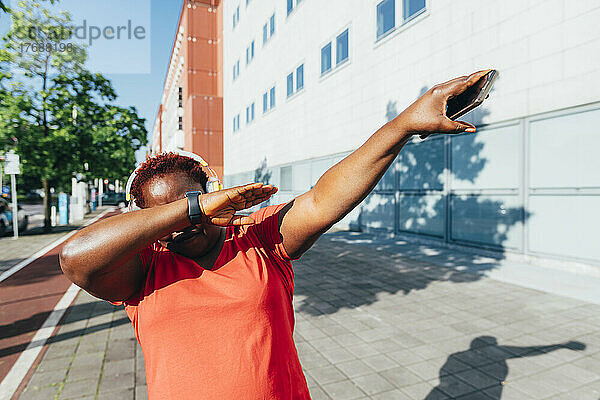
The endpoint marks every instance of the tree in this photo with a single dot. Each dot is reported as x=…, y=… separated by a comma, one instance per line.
x=65, y=118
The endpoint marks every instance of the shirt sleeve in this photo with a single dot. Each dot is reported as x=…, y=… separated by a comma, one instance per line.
x=267, y=228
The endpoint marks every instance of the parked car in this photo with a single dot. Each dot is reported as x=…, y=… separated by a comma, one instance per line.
x=114, y=199
x=6, y=218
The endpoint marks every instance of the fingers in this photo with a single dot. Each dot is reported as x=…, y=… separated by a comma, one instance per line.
x=252, y=194
x=239, y=220
x=459, y=85
x=458, y=126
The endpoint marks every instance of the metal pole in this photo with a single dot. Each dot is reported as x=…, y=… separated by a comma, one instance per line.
x=13, y=184
x=101, y=191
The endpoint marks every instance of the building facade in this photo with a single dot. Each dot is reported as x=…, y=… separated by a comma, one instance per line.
x=190, y=116
x=307, y=82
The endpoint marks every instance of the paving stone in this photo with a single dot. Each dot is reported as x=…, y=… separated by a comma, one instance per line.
x=35, y=393
x=372, y=383
x=327, y=374
x=72, y=390
x=343, y=390
x=401, y=376
x=379, y=362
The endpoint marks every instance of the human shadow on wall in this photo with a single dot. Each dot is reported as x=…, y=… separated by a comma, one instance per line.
x=483, y=367
x=416, y=179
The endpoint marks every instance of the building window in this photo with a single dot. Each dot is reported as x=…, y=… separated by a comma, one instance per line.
x=180, y=97
x=269, y=28
x=290, y=84
x=236, y=123
x=290, y=5
x=265, y=33
x=341, y=47
x=265, y=102
x=300, y=77
x=236, y=70
x=285, y=178
x=180, y=123
x=272, y=98
x=326, y=58
x=386, y=14
x=236, y=16
x=413, y=7
x=250, y=113
x=386, y=17
x=250, y=53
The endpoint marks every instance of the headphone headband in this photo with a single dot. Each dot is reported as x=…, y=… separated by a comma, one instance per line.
x=212, y=185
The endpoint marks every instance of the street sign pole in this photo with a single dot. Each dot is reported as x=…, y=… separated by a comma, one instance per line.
x=11, y=167
x=15, y=210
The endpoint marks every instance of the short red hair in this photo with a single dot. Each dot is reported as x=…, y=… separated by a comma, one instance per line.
x=163, y=164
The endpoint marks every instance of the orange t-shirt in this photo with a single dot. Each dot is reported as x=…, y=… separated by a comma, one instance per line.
x=224, y=333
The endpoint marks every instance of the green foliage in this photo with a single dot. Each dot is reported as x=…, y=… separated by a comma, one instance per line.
x=39, y=91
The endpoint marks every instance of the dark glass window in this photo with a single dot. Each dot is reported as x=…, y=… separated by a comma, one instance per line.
x=386, y=17
x=341, y=47
x=290, y=6
x=326, y=58
x=412, y=7
x=265, y=102
x=290, y=84
x=272, y=23
x=272, y=97
x=300, y=77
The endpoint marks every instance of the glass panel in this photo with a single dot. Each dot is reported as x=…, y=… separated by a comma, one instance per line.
x=290, y=6
x=265, y=103
x=377, y=211
x=421, y=213
x=272, y=31
x=487, y=219
x=564, y=151
x=326, y=58
x=386, y=17
x=252, y=50
x=565, y=225
x=248, y=56
x=290, y=84
x=412, y=7
x=300, y=77
x=247, y=114
x=285, y=178
x=342, y=47
x=421, y=165
x=487, y=160
x=272, y=95
x=265, y=34
x=252, y=111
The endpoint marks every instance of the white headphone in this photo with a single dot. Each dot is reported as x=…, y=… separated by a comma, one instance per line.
x=212, y=185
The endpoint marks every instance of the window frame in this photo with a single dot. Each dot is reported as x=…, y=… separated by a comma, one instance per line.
x=332, y=40
x=400, y=23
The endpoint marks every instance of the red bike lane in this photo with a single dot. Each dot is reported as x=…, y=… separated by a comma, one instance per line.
x=26, y=300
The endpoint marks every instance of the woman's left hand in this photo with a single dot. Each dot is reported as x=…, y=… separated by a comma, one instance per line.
x=427, y=115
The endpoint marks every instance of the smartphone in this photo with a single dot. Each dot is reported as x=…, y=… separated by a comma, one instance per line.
x=472, y=97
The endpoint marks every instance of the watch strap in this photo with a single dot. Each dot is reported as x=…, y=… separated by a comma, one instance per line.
x=194, y=212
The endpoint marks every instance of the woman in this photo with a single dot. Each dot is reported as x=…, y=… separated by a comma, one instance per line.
x=211, y=302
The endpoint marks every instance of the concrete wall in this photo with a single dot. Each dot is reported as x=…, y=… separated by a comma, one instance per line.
x=526, y=181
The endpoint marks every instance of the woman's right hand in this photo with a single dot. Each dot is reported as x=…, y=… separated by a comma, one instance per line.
x=218, y=208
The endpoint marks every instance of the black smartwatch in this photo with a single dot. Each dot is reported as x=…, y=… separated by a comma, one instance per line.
x=194, y=212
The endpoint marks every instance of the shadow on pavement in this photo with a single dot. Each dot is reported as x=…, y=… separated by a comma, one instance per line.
x=399, y=267
x=483, y=367
x=76, y=313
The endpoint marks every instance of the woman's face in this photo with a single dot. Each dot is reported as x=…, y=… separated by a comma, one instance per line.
x=193, y=241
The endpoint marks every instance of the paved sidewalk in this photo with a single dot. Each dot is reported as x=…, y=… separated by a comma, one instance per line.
x=375, y=322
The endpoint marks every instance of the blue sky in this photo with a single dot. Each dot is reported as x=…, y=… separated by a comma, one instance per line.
x=151, y=56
